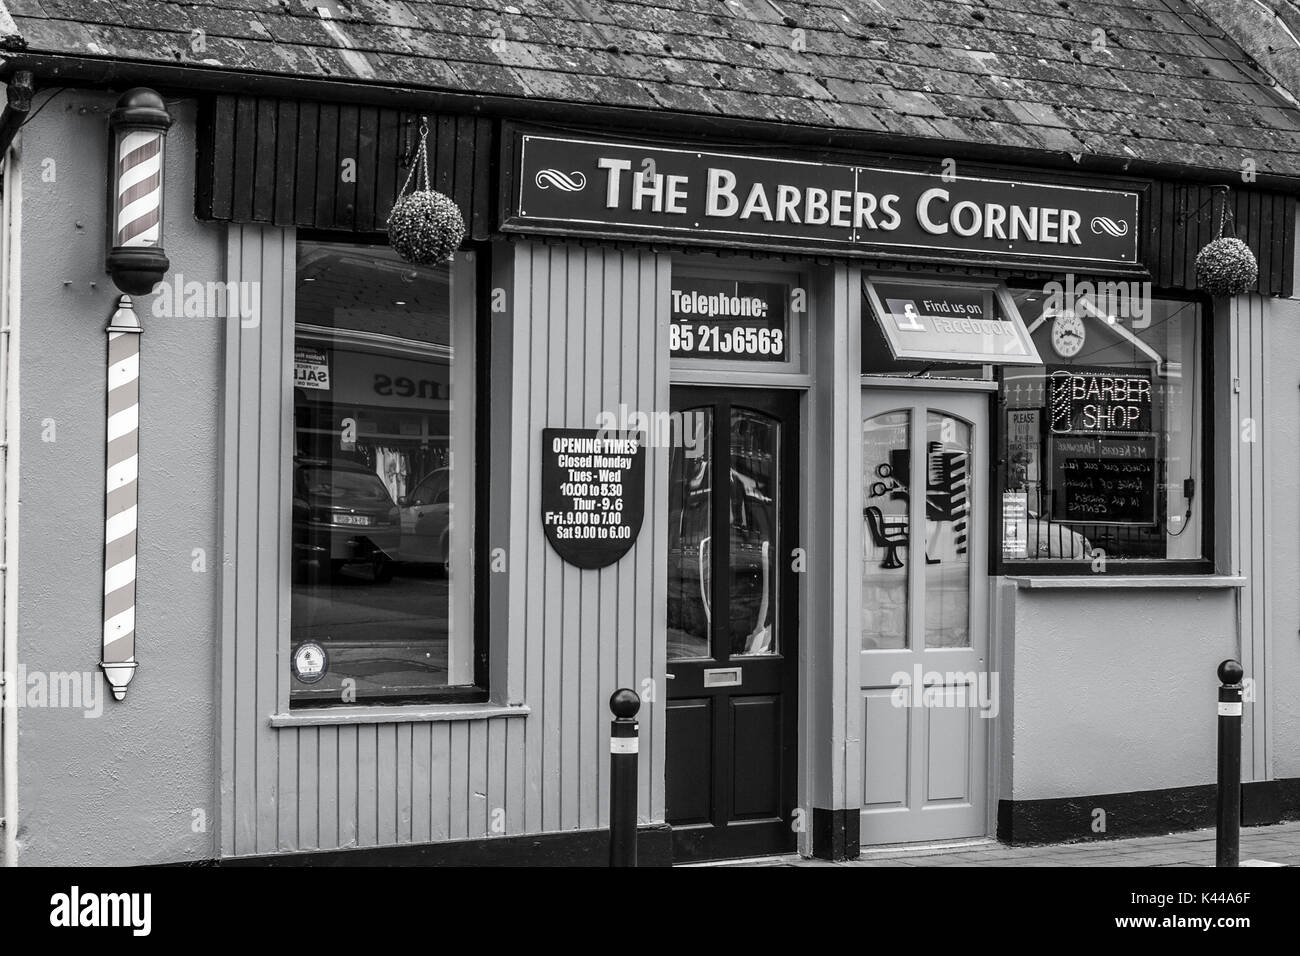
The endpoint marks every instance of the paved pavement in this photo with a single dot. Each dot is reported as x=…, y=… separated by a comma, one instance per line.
x=1275, y=844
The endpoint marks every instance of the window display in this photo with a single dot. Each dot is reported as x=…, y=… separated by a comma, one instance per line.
x=1101, y=446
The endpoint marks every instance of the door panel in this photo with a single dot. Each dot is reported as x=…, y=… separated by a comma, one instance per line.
x=732, y=621
x=924, y=650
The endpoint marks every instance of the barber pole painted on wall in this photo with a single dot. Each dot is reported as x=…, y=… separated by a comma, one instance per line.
x=122, y=469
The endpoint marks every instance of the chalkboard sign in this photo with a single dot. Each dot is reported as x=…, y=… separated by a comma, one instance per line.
x=1104, y=479
x=593, y=493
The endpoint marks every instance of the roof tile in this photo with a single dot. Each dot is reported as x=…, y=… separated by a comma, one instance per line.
x=1144, y=79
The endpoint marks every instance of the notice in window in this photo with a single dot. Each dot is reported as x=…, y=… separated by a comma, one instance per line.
x=1015, y=525
x=593, y=493
x=311, y=367
x=722, y=319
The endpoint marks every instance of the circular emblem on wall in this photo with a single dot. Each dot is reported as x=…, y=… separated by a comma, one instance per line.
x=309, y=662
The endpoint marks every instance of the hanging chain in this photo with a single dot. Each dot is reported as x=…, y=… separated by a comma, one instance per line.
x=421, y=160
x=1225, y=214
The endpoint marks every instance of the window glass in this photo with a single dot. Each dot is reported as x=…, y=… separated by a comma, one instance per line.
x=1101, y=456
x=886, y=463
x=690, y=534
x=377, y=530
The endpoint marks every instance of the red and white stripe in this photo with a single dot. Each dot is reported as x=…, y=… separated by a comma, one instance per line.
x=121, y=474
x=139, y=190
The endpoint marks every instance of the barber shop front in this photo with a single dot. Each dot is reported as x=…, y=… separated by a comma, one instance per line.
x=913, y=497
x=942, y=487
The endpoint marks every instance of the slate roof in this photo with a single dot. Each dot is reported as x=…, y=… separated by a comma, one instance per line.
x=1145, y=80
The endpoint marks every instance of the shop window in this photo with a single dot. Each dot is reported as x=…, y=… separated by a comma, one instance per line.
x=1101, y=448
x=382, y=498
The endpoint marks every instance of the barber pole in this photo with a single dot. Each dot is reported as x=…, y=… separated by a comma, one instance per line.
x=137, y=263
x=122, y=469
x=139, y=188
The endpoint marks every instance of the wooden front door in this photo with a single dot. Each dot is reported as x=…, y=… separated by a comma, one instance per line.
x=926, y=691
x=732, y=623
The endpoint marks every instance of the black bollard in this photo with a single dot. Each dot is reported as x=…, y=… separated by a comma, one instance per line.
x=623, y=747
x=1227, y=840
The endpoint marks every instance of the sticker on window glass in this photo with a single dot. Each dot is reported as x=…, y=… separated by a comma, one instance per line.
x=1015, y=525
x=310, y=368
x=309, y=662
x=729, y=320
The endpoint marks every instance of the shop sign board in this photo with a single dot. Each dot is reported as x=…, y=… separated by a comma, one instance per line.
x=1102, y=448
x=1099, y=401
x=937, y=322
x=723, y=319
x=593, y=493
x=638, y=190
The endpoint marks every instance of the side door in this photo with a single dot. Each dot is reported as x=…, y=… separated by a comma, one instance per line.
x=732, y=624
x=924, y=658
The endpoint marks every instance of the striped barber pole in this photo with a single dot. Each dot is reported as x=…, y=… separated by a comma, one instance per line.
x=960, y=500
x=121, y=473
x=139, y=188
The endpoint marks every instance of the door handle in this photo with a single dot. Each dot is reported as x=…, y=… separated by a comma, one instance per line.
x=704, y=592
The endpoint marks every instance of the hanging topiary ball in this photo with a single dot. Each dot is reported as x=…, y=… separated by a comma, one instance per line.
x=1226, y=266
x=425, y=227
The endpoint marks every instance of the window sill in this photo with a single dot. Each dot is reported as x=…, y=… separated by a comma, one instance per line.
x=1150, y=581
x=420, y=713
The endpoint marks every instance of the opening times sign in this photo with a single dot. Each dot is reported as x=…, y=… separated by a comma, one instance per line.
x=617, y=190
x=593, y=493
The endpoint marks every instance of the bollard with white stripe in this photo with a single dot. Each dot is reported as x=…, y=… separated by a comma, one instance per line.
x=1227, y=835
x=623, y=756
x=121, y=474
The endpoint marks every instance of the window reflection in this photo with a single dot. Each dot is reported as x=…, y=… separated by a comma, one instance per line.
x=372, y=474
x=948, y=497
x=755, y=500
x=690, y=530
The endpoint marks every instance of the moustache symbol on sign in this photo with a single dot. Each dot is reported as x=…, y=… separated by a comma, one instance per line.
x=1110, y=227
x=569, y=182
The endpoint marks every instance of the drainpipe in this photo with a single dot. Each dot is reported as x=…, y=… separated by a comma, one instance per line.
x=10, y=271
x=20, y=91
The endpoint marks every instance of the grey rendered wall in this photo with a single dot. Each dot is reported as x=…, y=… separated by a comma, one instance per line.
x=136, y=784
x=1114, y=689
x=584, y=329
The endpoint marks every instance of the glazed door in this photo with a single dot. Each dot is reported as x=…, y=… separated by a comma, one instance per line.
x=732, y=624
x=924, y=657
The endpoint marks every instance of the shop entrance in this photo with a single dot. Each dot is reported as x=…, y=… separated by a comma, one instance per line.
x=732, y=623
x=924, y=659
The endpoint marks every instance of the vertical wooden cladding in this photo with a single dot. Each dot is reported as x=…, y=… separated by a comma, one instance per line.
x=334, y=166
x=585, y=334
x=1249, y=331
x=1183, y=218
